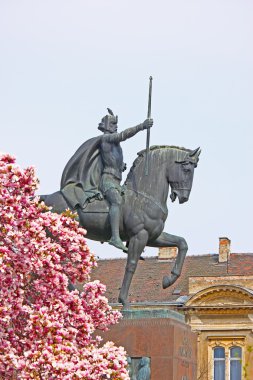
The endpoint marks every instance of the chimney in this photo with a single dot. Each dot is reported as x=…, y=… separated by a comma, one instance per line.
x=224, y=249
x=166, y=253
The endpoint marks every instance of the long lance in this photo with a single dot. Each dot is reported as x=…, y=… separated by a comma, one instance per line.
x=148, y=130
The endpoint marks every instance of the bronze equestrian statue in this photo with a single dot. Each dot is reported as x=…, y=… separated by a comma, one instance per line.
x=135, y=212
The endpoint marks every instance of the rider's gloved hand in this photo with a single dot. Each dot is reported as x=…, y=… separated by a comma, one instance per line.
x=147, y=123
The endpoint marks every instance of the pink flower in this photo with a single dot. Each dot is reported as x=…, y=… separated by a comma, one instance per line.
x=46, y=331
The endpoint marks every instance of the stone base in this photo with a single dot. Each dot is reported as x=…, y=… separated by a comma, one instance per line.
x=161, y=335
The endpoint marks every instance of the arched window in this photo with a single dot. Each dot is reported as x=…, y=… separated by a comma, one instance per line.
x=235, y=358
x=219, y=363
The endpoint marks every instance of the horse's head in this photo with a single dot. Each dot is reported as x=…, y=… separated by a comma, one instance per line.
x=180, y=175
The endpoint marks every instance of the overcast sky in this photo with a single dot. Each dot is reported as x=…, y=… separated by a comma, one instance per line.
x=63, y=62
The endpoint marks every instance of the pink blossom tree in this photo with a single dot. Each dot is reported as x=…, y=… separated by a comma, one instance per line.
x=47, y=331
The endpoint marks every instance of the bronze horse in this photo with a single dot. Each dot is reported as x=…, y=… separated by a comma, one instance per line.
x=144, y=208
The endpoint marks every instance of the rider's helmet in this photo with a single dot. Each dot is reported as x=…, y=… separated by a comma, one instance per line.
x=108, y=122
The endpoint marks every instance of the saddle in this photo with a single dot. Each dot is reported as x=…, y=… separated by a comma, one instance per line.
x=88, y=201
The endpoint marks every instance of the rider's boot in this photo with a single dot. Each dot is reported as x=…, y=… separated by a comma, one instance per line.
x=114, y=215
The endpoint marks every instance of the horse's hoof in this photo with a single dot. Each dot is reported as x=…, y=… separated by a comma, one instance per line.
x=166, y=282
x=169, y=280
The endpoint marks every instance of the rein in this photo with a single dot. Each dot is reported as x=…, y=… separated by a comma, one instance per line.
x=150, y=198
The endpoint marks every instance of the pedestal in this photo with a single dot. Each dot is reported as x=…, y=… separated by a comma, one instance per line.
x=163, y=337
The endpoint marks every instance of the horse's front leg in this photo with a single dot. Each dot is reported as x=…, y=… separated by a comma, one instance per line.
x=167, y=240
x=136, y=246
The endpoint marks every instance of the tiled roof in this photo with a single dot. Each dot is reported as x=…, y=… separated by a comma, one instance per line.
x=147, y=281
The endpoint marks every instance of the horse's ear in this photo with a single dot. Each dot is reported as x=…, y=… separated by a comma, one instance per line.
x=195, y=152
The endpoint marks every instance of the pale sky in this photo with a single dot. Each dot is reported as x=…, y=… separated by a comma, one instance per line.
x=64, y=62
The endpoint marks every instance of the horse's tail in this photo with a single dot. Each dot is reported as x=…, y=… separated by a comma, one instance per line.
x=43, y=198
x=56, y=201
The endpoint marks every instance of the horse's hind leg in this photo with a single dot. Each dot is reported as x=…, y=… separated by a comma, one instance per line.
x=136, y=245
x=167, y=240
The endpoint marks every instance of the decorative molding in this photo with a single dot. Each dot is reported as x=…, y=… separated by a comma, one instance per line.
x=226, y=341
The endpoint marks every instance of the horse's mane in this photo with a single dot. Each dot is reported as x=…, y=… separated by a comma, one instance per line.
x=141, y=155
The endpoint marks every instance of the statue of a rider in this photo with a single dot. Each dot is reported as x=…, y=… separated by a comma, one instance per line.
x=95, y=171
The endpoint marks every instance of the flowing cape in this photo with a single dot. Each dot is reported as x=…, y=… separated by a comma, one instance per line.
x=82, y=174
